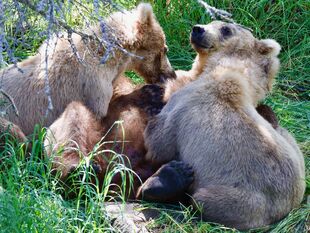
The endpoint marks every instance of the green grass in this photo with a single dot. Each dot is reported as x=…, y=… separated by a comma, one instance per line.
x=32, y=198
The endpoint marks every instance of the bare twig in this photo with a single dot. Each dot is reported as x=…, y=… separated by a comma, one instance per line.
x=1, y=33
x=110, y=45
x=4, y=45
x=220, y=14
x=73, y=47
x=11, y=100
x=55, y=20
x=50, y=18
x=215, y=13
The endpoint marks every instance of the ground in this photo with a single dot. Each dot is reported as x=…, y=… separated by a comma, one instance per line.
x=30, y=199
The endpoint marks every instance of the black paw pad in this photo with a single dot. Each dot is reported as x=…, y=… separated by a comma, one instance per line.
x=168, y=184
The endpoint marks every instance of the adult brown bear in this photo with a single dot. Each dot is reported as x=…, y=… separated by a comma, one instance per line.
x=89, y=82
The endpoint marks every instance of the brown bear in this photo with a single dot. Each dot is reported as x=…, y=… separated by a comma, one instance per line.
x=134, y=106
x=89, y=81
x=76, y=132
x=247, y=174
x=78, y=128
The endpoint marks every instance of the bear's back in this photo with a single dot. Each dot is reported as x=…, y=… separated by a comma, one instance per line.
x=232, y=147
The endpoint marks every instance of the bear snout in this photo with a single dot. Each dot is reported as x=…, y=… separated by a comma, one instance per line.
x=199, y=37
x=197, y=31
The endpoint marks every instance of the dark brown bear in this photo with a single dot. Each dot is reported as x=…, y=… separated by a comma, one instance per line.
x=78, y=128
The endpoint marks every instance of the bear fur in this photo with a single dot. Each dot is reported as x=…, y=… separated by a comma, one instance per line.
x=12, y=130
x=78, y=128
x=89, y=82
x=247, y=174
x=131, y=104
x=184, y=77
x=126, y=106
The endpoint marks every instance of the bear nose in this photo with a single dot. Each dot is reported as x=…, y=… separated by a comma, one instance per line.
x=197, y=31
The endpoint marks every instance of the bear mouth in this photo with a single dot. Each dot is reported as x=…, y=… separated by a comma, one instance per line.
x=203, y=44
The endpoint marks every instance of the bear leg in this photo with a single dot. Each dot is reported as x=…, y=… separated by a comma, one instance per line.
x=168, y=184
x=12, y=129
x=232, y=207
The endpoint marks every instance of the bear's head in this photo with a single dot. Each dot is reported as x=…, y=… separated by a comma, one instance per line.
x=227, y=43
x=149, y=43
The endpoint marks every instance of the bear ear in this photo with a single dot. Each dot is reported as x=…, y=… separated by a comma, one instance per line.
x=268, y=47
x=145, y=13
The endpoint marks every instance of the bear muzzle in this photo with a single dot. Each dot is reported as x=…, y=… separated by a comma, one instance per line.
x=200, y=38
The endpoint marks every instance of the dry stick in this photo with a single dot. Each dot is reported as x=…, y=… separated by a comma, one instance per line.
x=218, y=13
x=73, y=47
x=68, y=28
x=55, y=20
x=1, y=33
x=11, y=100
x=101, y=42
x=50, y=17
x=213, y=12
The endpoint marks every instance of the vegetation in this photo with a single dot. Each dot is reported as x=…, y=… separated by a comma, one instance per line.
x=32, y=199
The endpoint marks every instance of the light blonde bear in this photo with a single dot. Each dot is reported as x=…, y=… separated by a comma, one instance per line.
x=247, y=173
x=91, y=83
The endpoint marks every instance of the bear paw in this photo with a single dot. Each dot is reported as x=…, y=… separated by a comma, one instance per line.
x=151, y=99
x=268, y=114
x=168, y=184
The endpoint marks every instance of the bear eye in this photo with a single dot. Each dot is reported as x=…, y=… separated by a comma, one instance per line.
x=226, y=32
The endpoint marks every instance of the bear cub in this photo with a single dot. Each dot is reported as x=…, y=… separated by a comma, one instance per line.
x=248, y=174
